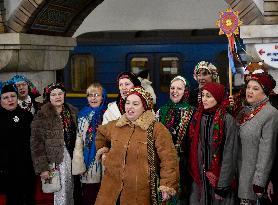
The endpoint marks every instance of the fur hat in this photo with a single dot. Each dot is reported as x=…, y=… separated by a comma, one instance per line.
x=265, y=80
x=131, y=76
x=8, y=88
x=203, y=65
x=217, y=90
x=47, y=90
x=145, y=96
x=255, y=68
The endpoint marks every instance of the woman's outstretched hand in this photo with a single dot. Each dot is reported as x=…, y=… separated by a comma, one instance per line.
x=165, y=196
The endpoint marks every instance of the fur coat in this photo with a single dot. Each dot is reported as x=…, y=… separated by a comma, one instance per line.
x=147, y=85
x=112, y=113
x=47, y=137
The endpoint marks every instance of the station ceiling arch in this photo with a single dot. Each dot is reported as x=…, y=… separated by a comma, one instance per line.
x=50, y=17
x=63, y=17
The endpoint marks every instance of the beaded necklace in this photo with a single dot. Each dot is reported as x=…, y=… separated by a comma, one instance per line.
x=246, y=116
x=185, y=119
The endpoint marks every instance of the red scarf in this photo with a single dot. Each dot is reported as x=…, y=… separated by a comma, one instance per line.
x=213, y=172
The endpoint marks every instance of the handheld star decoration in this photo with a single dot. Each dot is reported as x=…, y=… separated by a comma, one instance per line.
x=228, y=22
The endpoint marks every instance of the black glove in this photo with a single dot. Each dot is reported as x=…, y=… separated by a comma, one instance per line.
x=223, y=192
x=258, y=189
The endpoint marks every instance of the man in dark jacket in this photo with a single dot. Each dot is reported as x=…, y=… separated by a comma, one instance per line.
x=17, y=173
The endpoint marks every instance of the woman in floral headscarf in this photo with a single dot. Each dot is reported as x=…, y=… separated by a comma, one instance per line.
x=27, y=93
x=53, y=139
x=84, y=163
x=204, y=72
x=176, y=115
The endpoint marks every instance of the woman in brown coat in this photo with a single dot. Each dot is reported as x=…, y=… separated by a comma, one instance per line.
x=137, y=152
x=53, y=137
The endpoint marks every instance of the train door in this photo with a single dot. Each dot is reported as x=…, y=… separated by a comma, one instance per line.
x=162, y=66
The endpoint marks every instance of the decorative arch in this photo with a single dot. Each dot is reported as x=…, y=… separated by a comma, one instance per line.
x=50, y=17
x=63, y=17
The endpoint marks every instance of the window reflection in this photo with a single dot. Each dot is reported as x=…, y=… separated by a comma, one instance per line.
x=138, y=64
x=169, y=67
x=82, y=72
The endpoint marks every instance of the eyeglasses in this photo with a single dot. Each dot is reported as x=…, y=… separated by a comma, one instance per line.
x=93, y=95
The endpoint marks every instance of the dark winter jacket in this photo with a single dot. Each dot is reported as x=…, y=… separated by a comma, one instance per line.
x=15, y=153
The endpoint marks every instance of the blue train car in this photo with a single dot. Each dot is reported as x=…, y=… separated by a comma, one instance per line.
x=101, y=56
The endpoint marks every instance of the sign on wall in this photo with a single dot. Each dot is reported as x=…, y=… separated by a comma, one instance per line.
x=268, y=53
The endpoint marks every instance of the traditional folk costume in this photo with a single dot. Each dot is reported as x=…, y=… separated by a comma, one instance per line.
x=84, y=163
x=239, y=97
x=213, y=152
x=53, y=140
x=176, y=117
x=131, y=159
x=29, y=104
x=196, y=94
x=116, y=109
x=258, y=133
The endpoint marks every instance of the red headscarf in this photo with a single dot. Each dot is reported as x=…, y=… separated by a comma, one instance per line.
x=265, y=80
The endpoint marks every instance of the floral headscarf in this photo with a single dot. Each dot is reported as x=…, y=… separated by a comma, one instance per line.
x=32, y=90
x=145, y=97
x=47, y=90
x=92, y=116
x=207, y=66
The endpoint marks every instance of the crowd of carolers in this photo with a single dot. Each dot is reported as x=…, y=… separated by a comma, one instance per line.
x=202, y=147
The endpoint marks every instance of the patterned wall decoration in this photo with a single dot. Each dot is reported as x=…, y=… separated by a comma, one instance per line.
x=57, y=15
x=51, y=17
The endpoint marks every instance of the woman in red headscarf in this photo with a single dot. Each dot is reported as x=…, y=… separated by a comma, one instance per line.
x=212, y=160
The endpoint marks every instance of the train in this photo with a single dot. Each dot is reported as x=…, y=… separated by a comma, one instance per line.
x=101, y=56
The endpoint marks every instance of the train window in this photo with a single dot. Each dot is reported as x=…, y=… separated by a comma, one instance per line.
x=82, y=72
x=138, y=64
x=169, y=67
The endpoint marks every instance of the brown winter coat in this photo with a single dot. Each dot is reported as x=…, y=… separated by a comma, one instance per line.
x=47, y=137
x=127, y=173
